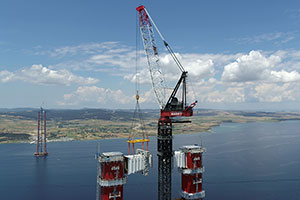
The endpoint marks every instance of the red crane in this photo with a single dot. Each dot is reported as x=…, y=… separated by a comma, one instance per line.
x=169, y=107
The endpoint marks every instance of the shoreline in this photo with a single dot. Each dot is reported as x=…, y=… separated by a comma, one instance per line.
x=176, y=132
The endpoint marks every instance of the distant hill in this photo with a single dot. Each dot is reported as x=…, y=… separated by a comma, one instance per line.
x=73, y=114
x=20, y=124
x=125, y=115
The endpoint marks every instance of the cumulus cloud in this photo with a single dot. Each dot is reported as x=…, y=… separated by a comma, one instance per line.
x=214, y=91
x=284, y=76
x=257, y=67
x=235, y=95
x=39, y=74
x=268, y=92
x=251, y=67
x=94, y=94
x=239, y=77
x=197, y=67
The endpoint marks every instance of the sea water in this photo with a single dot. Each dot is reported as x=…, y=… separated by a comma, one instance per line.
x=246, y=161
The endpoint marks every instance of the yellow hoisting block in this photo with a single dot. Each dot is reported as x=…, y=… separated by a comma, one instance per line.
x=138, y=140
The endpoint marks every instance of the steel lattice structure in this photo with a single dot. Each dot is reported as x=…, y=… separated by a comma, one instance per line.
x=150, y=47
x=173, y=107
x=165, y=153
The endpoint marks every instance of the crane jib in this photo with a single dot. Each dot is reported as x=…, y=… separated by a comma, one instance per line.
x=173, y=106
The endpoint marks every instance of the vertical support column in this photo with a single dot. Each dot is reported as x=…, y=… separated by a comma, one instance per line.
x=38, y=136
x=165, y=153
x=41, y=132
x=189, y=162
x=147, y=145
x=133, y=151
x=45, y=135
x=112, y=177
x=128, y=148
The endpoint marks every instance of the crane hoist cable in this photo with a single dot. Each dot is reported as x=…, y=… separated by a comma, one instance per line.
x=137, y=125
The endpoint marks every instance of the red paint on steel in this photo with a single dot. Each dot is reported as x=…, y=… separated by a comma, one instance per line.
x=114, y=192
x=190, y=183
x=167, y=113
x=140, y=8
x=38, y=135
x=133, y=149
x=144, y=19
x=45, y=135
x=194, y=160
x=112, y=170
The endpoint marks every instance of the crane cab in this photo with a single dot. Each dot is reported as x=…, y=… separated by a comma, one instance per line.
x=175, y=107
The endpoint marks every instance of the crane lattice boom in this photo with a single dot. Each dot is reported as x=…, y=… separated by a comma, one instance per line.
x=172, y=107
x=157, y=78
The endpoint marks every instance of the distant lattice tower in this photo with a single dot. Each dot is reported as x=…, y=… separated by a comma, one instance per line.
x=189, y=162
x=41, y=142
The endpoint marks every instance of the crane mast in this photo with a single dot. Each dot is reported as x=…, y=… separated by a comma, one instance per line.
x=168, y=109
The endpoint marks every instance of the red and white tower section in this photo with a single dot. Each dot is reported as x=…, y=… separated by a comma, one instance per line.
x=114, y=168
x=189, y=162
x=111, y=177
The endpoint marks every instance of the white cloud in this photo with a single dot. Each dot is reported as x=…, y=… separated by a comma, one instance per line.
x=247, y=77
x=277, y=38
x=42, y=75
x=143, y=77
x=118, y=59
x=213, y=91
x=235, y=95
x=257, y=67
x=148, y=97
x=251, y=67
x=197, y=67
x=122, y=59
x=6, y=76
x=284, y=76
x=83, y=49
x=268, y=92
x=94, y=94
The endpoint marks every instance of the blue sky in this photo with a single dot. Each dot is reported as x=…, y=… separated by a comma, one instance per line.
x=75, y=54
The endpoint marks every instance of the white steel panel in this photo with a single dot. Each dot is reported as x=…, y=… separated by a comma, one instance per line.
x=180, y=159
